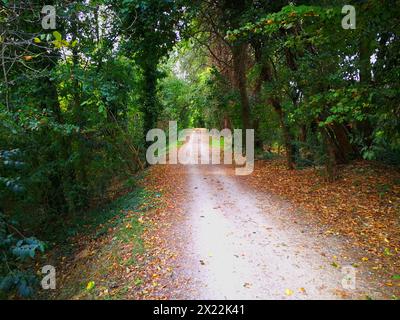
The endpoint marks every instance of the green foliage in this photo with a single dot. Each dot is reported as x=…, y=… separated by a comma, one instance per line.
x=70, y=124
x=156, y=25
x=26, y=248
x=332, y=77
x=14, y=251
x=20, y=282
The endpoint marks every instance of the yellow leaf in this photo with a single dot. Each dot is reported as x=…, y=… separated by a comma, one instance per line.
x=364, y=259
x=90, y=285
x=36, y=40
x=288, y=292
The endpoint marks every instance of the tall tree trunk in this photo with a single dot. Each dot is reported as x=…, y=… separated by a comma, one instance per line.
x=287, y=137
x=81, y=164
x=239, y=65
x=149, y=101
x=264, y=75
x=365, y=52
x=57, y=197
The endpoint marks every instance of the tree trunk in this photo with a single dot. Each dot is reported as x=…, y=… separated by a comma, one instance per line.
x=330, y=161
x=239, y=64
x=257, y=139
x=149, y=102
x=343, y=147
x=265, y=75
x=287, y=137
x=365, y=79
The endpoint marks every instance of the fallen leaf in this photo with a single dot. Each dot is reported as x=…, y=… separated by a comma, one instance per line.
x=90, y=285
x=288, y=292
x=302, y=290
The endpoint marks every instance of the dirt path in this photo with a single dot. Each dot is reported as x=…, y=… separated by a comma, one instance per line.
x=237, y=243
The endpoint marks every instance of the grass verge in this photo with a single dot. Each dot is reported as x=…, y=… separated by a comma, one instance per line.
x=102, y=252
